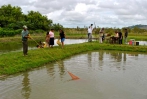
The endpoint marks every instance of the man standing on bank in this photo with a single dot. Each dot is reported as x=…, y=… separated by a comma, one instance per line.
x=90, y=29
x=120, y=37
x=101, y=34
x=125, y=36
x=25, y=36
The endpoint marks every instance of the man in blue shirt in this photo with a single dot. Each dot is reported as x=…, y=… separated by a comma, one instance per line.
x=25, y=36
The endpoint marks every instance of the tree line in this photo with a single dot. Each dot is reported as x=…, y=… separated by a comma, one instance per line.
x=12, y=19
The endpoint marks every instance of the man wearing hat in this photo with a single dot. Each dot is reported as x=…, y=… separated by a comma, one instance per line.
x=25, y=36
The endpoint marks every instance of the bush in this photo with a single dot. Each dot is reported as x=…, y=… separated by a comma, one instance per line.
x=9, y=32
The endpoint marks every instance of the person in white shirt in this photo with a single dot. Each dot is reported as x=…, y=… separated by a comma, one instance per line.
x=90, y=29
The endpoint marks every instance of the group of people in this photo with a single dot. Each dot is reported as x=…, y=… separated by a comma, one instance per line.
x=101, y=34
x=118, y=36
x=49, y=39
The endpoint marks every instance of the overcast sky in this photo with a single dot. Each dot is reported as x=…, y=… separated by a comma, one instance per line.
x=73, y=13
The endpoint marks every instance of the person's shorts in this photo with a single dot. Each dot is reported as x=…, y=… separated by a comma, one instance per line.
x=63, y=39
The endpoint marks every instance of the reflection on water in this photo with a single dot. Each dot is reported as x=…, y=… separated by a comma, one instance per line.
x=101, y=60
x=61, y=69
x=26, y=90
x=103, y=75
x=51, y=71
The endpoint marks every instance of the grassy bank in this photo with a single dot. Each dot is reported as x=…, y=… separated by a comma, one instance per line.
x=15, y=62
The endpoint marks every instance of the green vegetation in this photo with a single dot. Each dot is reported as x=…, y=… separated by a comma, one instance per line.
x=12, y=20
x=138, y=38
x=15, y=62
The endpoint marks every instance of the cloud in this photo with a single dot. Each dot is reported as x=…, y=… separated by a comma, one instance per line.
x=73, y=13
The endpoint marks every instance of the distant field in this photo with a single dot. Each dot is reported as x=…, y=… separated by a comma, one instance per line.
x=70, y=34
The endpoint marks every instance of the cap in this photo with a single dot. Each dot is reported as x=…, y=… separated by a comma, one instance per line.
x=25, y=26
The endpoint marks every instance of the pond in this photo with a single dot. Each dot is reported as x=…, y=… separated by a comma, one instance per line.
x=103, y=75
x=18, y=47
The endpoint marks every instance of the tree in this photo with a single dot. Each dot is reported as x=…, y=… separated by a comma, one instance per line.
x=10, y=15
x=38, y=21
x=57, y=26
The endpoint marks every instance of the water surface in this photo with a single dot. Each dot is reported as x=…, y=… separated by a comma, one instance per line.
x=103, y=75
